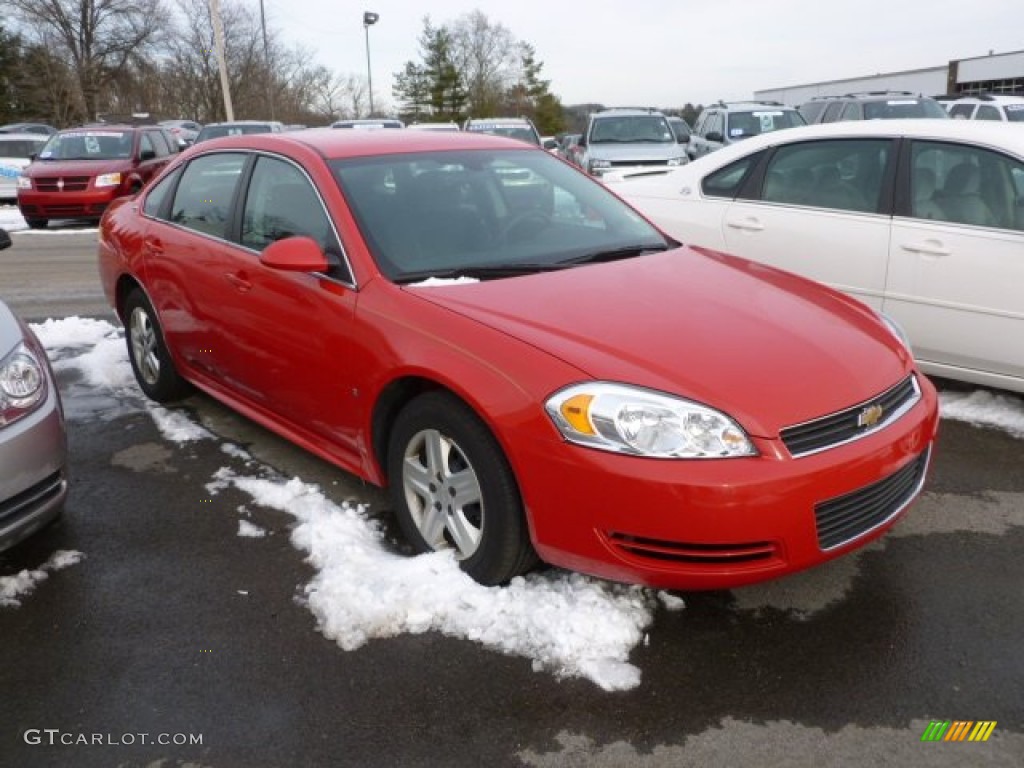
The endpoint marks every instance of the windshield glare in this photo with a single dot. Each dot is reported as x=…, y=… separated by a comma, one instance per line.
x=898, y=108
x=88, y=145
x=521, y=132
x=440, y=212
x=632, y=129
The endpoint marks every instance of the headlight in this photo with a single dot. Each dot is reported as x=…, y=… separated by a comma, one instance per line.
x=896, y=329
x=108, y=180
x=22, y=384
x=678, y=160
x=641, y=422
x=24, y=182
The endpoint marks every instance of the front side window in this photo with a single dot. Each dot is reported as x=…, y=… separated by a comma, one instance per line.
x=1014, y=113
x=282, y=202
x=486, y=213
x=832, y=112
x=844, y=174
x=207, y=189
x=968, y=185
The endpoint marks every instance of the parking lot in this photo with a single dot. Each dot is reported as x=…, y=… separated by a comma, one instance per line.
x=176, y=618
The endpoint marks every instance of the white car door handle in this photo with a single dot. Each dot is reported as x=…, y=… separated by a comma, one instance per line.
x=928, y=247
x=749, y=225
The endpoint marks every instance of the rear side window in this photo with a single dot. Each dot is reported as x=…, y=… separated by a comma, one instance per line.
x=203, y=199
x=154, y=205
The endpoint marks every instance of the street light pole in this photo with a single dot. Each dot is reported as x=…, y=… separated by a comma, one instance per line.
x=369, y=19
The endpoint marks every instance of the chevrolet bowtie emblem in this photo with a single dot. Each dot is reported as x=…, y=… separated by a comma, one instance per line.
x=60, y=185
x=870, y=416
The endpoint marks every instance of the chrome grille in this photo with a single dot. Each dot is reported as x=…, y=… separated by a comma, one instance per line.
x=847, y=425
x=846, y=517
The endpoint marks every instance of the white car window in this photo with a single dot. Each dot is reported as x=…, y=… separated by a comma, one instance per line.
x=972, y=186
x=842, y=174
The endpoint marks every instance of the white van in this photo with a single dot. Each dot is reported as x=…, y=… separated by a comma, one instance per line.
x=16, y=150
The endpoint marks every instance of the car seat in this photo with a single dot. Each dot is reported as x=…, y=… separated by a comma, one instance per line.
x=961, y=197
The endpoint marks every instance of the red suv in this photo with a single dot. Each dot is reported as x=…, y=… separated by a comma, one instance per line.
x=79, y=171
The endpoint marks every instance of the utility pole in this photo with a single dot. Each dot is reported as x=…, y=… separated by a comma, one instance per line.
x=218, y=37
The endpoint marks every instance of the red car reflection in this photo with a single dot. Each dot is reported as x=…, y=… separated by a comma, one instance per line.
x=532, y=369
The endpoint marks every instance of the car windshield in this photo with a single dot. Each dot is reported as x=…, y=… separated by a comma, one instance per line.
x=486, y=213
x=521, y=132
x=899, y=108
x=632, y=129
x=88, y=145
x=20, y=148
x=743, y=125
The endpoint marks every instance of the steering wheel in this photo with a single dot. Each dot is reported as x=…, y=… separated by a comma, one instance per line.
x=538, y=218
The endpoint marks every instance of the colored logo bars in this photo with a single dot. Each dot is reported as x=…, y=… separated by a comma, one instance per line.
x=958, y=730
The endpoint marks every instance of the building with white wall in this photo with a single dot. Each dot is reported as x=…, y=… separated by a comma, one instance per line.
x=995, y=73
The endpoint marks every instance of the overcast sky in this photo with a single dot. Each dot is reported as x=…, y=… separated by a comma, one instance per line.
x=668, y=52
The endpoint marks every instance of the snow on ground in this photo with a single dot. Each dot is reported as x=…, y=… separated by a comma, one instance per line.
x=567, y=624
x=12, y=220
x=12, y=588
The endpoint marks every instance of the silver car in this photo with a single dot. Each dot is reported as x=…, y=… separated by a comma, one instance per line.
x=16, y=152
x=619, y=139
x=33, y=445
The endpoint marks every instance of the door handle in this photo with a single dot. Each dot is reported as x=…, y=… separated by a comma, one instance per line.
x=928, y=248
x=240, y=283
x=747, y=225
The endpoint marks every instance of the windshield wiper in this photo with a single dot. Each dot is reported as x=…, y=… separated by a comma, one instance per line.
x=484, y=272
x=614, y=254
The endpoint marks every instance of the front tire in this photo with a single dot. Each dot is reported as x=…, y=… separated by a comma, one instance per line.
x=452, y=488
x=37, y=223
x=151, y=362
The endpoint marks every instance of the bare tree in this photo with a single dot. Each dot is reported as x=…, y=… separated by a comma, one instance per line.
x=485, y=55
x=99, y=37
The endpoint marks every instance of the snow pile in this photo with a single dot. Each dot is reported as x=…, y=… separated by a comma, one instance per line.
x=14, y=587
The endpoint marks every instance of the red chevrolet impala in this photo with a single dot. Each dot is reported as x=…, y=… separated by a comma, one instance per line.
x=533, y=369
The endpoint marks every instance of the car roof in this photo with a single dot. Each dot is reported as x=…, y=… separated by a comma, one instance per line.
x=22, y=136
x=993, y=133
x=333, y=144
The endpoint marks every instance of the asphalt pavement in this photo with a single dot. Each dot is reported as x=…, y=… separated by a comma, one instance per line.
x=173, y=628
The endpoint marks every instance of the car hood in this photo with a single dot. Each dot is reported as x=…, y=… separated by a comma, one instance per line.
x=621, y=153
x=769, y=348
x=77, y=167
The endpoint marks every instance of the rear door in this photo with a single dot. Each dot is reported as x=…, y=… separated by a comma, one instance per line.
x=957, y=257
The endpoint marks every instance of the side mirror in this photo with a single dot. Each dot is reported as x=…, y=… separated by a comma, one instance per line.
x=295, y=254
x=715, y=136
x=582, y=141
x=5, y=239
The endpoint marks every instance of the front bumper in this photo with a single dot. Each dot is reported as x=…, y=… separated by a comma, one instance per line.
x=717, y=524
x=85, y=204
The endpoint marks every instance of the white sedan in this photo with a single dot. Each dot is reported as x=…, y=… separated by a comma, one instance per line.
x=922, y=219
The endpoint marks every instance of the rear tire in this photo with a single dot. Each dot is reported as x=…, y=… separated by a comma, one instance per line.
x=452, y=488
x=151, y=362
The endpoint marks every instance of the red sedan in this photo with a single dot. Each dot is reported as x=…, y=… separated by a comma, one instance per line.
x=531, y=368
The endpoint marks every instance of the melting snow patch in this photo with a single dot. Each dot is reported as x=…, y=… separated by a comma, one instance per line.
x=568, y=624
x=248, y=530
x=671, y=602
x=432, y=282
x=14, y=587
x=985, y=409
x=176, y=426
